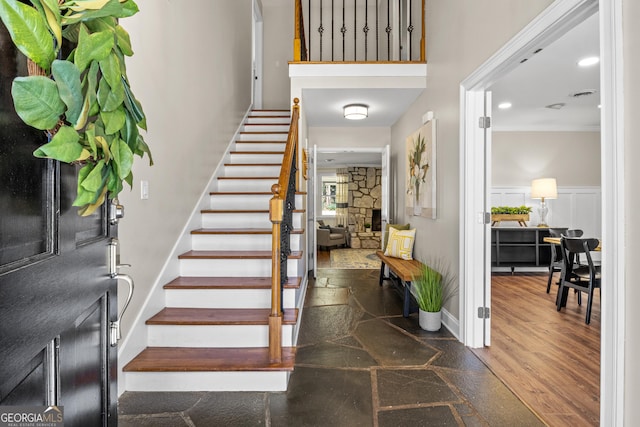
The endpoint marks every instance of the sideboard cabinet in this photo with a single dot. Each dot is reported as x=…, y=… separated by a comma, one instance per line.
x=519, y=247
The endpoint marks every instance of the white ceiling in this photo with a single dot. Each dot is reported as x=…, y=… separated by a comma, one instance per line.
x=548, y=77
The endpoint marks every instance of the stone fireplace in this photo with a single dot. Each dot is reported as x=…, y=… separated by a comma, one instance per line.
x=365, y=201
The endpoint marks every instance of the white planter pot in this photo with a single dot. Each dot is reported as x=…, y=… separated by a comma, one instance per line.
x=430, y=321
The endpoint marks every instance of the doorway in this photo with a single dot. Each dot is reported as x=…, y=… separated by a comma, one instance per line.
x=350, y=190
x=556, y=20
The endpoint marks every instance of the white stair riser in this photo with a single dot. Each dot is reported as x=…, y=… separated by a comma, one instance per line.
x=232, y=267
x=243, y=220
x=252, y=170
x=245, y=185
x=246, y=201
x=246, y=242
x=223, y=336
x=207, y=381
x=242, y=158
x=269, y=120
x=277, y=147
x=226, y=298
x=250, y=127
x=262, y=136
x=270, y=113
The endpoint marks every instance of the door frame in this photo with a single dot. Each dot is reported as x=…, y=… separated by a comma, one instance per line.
x=385, y=162
x=257, y=51
x=548, y=26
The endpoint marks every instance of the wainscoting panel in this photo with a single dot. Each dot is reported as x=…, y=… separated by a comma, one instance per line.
x=575, y=207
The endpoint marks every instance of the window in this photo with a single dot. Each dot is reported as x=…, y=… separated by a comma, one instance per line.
x=329, y=195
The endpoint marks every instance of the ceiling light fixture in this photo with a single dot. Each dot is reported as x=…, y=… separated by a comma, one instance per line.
x=587, y=62
x=356, y=111
x=504, y=105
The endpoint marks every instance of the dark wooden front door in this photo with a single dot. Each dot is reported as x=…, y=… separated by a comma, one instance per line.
x=57, y=298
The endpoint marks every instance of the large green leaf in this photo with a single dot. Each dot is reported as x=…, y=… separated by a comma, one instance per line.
x=132, y=104
x=29, y=31
x=64, y=146
x=113, y=120
x=112, y=8
x=51, y=11
x=93, y=47
x=109, y=97
x=94, y=180
x=110, y=67
x=37, y=101
x=67, y=77
x=124, y=41
x=122, y=156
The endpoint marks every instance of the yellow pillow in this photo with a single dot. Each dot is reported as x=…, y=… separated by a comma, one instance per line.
x=400, y=243
x=386, y=232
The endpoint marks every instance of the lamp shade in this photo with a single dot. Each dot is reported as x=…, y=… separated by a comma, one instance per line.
x=356, y=111
x=544, y=188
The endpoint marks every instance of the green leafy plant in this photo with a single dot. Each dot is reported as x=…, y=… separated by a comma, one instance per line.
x=417, y=168
x=432, y=288
x=367, y=225
x=511, y=210
x=83, y=102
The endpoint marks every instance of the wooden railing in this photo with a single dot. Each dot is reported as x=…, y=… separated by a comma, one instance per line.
x=359, y=31
x=281, y=208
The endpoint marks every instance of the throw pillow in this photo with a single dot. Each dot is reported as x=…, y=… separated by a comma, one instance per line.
x=400, y=243
x=386, y=233
x=321, y=223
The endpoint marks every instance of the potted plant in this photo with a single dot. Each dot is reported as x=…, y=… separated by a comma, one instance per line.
x=77, y=90
x=509, y=213
x=431, y=290
x=367, y=227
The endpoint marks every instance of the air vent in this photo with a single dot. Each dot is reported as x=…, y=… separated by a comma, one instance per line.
x=555, y=106
x=583, y=93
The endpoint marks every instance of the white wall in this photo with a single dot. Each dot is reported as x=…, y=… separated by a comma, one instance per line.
x=192, y=73
x=461, y=34
x=343, y=137
x=631, y=34
x=573, y=158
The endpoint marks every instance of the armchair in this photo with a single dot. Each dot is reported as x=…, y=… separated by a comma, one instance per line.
x=333, y=236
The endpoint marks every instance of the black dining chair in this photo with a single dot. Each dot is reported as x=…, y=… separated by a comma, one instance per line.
x=583, y=278
x=555, y=265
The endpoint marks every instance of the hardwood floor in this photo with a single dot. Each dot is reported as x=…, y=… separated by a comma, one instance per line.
x=550, y=359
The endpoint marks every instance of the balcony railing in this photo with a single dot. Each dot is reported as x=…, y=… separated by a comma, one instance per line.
x=359, y=31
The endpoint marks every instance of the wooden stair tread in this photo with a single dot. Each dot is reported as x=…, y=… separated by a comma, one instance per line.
x=262, y=141
x=219, y=316
x=234, y=255
x=264, y=132
x=273, y=178
x=257, y=152
x=188, y=282
x=243, y=193
x=238, y=231
x=251, y=164
x=194, y=359
x=227, y=211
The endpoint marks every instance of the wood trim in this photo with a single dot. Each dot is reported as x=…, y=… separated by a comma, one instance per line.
x=218, y=316
x=234, y=255
x=200, y=282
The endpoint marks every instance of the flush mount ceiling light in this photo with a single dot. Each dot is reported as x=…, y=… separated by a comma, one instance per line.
x=556, y=106
x=587, y=62
x=504, y=105
x=356, y=111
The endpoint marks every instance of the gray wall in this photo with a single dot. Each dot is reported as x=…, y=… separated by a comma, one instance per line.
x=461, y=34
x=192, y=72
x=278, y=51
x=573, y=158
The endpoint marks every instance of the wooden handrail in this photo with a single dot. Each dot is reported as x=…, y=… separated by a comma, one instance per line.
x=280, y=211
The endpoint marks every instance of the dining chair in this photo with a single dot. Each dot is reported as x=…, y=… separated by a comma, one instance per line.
x=555, y=265
x=583, y=278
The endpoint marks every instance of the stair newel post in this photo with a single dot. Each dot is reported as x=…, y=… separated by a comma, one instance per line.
x=275, y=318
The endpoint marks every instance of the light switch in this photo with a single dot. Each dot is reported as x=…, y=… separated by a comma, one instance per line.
x=144, y=190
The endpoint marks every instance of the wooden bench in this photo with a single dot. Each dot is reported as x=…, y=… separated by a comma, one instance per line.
x=401, y=272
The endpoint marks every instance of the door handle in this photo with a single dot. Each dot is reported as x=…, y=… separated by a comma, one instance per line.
x=114, y=272
x=114, y=326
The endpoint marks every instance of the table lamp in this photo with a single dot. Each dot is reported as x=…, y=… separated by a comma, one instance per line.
x=544, y=188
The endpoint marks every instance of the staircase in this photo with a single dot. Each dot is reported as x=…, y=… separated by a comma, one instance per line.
x=212, y=333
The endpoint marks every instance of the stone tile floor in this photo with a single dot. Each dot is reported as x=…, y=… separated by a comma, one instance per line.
x=359, y=363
